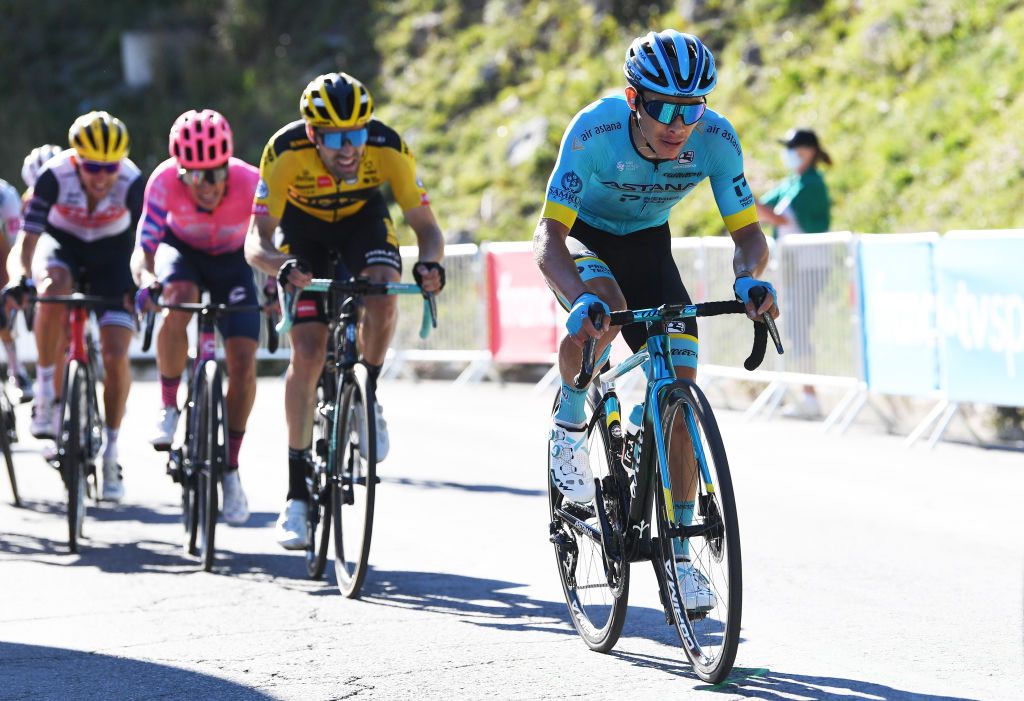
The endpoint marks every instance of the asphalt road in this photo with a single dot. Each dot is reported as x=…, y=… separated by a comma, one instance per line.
x=871, y=572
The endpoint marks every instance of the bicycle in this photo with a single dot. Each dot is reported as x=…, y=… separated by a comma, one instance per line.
x=81, y=424
x=596, y=542
x=198, y=460
x=343, y=477
x=8, y=435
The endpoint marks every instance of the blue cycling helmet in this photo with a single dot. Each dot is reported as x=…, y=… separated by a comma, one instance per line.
x=670, y=63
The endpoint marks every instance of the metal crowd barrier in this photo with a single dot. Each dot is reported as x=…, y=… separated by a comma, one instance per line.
x=461, y=333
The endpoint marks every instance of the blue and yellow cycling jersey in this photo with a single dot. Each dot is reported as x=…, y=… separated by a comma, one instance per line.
x=601, y=177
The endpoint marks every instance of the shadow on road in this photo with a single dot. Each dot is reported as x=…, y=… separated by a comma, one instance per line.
x=486, y=488
x=770, y=685
x=32, y=671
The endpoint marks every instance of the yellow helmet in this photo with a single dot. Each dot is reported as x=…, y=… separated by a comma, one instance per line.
x=336, y=100
x=99, y=136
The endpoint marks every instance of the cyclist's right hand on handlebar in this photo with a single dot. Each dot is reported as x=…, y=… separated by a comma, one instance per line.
x=17, y=294
x=146, y=297
x=295, y=272
x=579, y=325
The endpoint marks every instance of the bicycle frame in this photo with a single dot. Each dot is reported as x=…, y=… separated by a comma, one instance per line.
x=655, y=358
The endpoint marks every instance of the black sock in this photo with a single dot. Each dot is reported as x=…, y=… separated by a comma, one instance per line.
x=373, y=371
x=298, y=464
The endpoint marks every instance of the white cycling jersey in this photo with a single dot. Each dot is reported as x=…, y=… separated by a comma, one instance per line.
x=59, y=204
x=10, y=210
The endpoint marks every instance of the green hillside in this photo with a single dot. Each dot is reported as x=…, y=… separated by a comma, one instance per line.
x=919, y=103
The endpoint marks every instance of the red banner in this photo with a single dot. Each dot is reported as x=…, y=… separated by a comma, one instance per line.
x=522, y=312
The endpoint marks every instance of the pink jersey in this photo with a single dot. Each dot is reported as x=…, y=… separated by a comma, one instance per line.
x=169, y=207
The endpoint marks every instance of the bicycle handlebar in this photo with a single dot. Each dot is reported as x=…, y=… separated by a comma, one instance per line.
x=359, y=287
x=671, y=312
x=216, y=309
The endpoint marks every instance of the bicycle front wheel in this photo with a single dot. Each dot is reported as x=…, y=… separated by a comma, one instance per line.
x=700, y=565
x=7, y=436
x=211, y=459
x=355, y=479
x=595, y=582
x=73, y=447
x=318, y=519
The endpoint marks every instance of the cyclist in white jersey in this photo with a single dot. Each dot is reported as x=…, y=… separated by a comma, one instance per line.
x=80, y=223
x=10, y=223
x=603, y=236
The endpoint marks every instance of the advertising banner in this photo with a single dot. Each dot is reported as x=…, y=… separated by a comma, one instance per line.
x=901, y=351
x=981, y=315
x=522, y=317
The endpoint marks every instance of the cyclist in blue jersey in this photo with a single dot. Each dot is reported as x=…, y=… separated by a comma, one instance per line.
x=603, y=235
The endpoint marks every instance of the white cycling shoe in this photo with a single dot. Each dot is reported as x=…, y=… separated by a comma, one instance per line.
x=290, y=531
x=569, y=463
x=166, y=424
x=45, y=418
x=697, y=594
x=236, y=506
x=113, y=484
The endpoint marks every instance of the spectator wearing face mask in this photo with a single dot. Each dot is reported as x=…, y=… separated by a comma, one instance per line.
x=799, y=204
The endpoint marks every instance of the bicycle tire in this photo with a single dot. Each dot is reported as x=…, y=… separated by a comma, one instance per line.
x=72, y=451
x=213, y=458
x=6, y=421
x=319, y=481
x=598, y=622
x=355, y=476
x=709, y=635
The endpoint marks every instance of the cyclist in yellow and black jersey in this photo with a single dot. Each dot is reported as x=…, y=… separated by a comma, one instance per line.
x=319, y=190
x=294, y=174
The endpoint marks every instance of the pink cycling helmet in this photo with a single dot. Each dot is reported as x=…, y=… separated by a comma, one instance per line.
x=201, y=139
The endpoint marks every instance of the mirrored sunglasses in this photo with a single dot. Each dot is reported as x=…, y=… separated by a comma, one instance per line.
x=666, y=112
x=197, y=176
x=337, y=139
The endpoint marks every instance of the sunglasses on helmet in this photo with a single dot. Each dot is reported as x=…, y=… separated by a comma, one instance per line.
x=666, y=112
x=97, y=167
x=337, y=139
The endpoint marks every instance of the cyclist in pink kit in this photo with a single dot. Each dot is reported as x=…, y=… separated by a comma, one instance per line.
x=195, y=217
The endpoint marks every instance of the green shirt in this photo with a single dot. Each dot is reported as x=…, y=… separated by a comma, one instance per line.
x=807, y=195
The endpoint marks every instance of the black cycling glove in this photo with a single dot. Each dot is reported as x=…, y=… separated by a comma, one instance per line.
x=290, y=265
x=429, y=265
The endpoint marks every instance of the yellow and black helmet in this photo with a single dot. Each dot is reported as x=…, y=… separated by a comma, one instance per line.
x=336, y=100
x=99, y=136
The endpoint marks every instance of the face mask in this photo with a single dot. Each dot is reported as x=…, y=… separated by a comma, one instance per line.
x=791, y=159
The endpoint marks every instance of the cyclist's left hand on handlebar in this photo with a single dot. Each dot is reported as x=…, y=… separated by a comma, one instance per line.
x=743, y=286
x=429, y=276
x=579, y=325
x=295, y=272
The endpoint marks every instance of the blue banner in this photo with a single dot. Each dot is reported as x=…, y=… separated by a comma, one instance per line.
x=898, y=303
x=981, y=316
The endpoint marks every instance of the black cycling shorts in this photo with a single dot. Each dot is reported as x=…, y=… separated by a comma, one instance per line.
x=641, y=264
x=101, y=268
x=339, y=250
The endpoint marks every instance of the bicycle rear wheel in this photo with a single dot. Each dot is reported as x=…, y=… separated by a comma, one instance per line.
x=709, y=627
x=318, y=520
x=211, y=459
x=73, y=447
x=595, y=582
x=355, y=479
